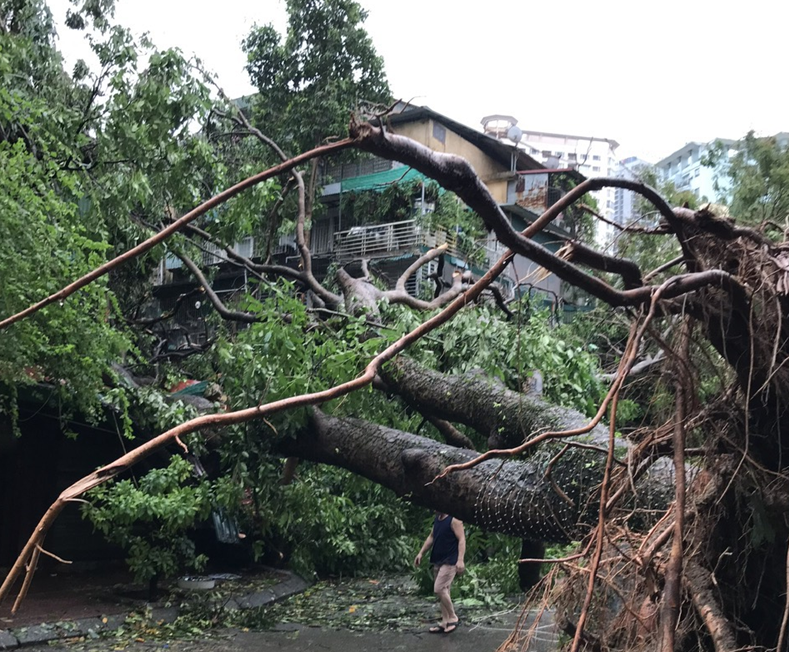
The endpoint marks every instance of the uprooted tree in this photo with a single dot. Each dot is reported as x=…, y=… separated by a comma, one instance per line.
x=681, y=523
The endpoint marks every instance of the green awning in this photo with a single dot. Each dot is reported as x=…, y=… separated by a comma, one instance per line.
x=380, y=180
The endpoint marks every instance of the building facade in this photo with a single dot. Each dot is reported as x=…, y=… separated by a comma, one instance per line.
x=625, y=201
x=591, y=156
x=686, y=169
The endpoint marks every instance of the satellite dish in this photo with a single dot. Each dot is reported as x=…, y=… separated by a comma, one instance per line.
x=515, y=133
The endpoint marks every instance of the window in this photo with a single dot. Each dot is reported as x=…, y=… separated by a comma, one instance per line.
x=595, y=158
x=439, y=133
x=546, y=153
x=558, y=154
x=696, y=173
x=571, y=156
x=596, y=168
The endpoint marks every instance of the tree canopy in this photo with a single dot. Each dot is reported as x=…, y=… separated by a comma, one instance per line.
x=310, y=81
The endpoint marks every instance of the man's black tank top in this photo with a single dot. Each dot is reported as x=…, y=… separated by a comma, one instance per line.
x=445, y=543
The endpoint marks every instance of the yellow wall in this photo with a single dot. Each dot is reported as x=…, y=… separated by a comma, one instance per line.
x=484, y=166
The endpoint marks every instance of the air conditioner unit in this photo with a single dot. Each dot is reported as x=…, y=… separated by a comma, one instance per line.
x=245, y=247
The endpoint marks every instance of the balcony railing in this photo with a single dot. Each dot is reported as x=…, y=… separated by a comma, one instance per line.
x=385, y=240
x=373, y=241
x=249, y=247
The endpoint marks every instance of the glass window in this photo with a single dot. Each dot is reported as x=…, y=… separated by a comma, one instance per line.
x=596, y=168
x=439, y=133
x=595, y=158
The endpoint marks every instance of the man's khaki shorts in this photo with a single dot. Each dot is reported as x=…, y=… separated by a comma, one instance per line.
x=444, y=575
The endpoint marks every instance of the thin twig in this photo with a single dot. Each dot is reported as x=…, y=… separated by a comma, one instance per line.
x=53, y=555
x=785, y=619
x=670, y=604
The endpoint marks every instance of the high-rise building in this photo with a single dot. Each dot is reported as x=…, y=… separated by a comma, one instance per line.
x=685, y=168
x=625, y=201
x=591, y=156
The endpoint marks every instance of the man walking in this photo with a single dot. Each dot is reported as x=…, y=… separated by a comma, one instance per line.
x=448, y=541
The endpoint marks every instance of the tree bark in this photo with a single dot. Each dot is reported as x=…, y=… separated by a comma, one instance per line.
x=505, y=417
x=511, y=497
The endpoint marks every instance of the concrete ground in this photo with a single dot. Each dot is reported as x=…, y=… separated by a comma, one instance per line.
x=299, y=638
x=351, y=615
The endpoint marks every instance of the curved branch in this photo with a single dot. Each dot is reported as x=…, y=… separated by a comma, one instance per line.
x=165, y=233
x=451, y=435
x=498, y=297
x=662, y=268
x=301, y=242
x=627, y=269
x=640, y=367
x=221, y=308
x=460, y=283
x=660, y=230
x=329, y=298
x=456, y=174
x=422, y=260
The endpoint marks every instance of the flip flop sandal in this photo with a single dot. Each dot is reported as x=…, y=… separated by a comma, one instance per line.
x=451, y=627
x=437, y=629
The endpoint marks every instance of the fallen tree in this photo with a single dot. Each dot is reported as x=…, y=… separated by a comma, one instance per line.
x=707, y=572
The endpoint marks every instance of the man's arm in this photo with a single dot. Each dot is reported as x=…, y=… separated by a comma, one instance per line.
x=457, y=528
x=425, y=547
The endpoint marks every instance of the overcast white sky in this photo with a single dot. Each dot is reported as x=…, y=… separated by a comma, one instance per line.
x=651, y=75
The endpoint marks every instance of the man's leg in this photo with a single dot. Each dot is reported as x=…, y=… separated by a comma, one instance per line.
x=441, y=587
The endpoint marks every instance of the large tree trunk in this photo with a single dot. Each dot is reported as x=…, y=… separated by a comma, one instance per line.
x=512, y=497
x=505, y=417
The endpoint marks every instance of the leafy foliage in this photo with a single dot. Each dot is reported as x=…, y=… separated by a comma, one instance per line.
x=511, y=351
x=756, y=179
x=86, y=159
x=325, y=67
x=150, y=519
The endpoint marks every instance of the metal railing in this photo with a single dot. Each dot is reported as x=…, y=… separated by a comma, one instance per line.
x=384, y=240
x=249, y=247
x=372, y=241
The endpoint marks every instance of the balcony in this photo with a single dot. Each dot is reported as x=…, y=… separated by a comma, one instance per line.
x=533, y=192
x=249, y=247
x=388, y=240
x=536, y=192
x=377, y=241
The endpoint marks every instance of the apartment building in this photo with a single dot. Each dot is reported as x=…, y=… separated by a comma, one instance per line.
x=685, y=168
x=591, y=156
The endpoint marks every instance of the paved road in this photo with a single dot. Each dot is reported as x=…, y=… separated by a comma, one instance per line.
x=300, y=638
